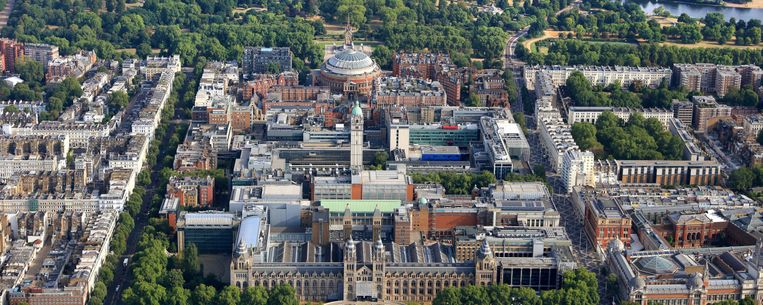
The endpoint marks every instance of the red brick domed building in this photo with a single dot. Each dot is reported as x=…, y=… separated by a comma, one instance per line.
x=350, y=71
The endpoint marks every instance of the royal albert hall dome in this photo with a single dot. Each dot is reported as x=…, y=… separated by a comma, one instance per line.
x=351, y=62
x=349, y=72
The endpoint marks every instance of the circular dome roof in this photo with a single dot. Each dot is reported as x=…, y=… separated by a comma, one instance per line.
x=656, y=265
x=356, y=111
x=350, y=62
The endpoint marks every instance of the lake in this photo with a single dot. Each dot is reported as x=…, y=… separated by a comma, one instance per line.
x=699, y=11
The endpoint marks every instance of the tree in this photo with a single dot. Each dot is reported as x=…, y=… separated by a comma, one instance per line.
x=144, y=293
x=383, y=57
x=254, y=296
x=354, y=10
x=118, y=101
x=143, y=50
x=230, y=295
x=203, y=295
x=282, y=295
x=747, y=301
x=31, y=71
x=473, y=100
x=489, y=42
x=448, y=296
x=191, y=261
x=474, y=295
x=178, y=296
x=380, y=159
x=741, y=179
x=11, y=109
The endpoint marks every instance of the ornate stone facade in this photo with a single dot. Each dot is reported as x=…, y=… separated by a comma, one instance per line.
x=357, y=271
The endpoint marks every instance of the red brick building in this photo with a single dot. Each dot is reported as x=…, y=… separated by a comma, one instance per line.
x=262, y=83
x=192, y=191
x=604, y=221
x=11, y=51
x=241, y=117
x=489, y=85
x=408, y=92
x=692, y=230
x=418, y=65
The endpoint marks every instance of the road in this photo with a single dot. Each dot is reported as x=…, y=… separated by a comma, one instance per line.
x=122, y=275
x=510, y=62
x=6, y=13
x=582, y=249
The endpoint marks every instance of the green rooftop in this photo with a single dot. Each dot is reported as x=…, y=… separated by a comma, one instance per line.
x=360, y=206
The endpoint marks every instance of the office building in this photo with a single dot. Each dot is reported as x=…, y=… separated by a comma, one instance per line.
x=12, y=52
x=418, y=65
x=605, y=221
x=504, y=143
x=753, y=124
x=210, y=231
x=683, y=111
x=385, y=184
x=75, y=65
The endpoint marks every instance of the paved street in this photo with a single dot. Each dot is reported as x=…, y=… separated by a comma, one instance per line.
x=571, y=219
x=123, y=276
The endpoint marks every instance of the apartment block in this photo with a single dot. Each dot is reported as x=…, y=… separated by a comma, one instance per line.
x=40, y=52
x=556, y=139
x=669, y=172
x=683, y=111
x=192, y=191
x=12, y=52
x=600, y=75
x=418, y=65
x=707, y=111
x=266, y=60
x=578, y=169
x=586, y=114
x=407, y=92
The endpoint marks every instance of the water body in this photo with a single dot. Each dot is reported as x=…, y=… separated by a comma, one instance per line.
x=700, y=10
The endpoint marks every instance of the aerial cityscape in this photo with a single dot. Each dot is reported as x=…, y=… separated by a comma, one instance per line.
x=443, y=152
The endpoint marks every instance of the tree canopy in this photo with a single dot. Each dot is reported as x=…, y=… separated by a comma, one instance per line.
x=578, y=286
x=636, y=139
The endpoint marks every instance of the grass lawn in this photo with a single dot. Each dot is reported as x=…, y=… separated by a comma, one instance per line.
x=546, y=35
x=751, y=4
x=132, y=51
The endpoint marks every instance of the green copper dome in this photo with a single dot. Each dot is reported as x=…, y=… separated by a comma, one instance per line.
x=356, y=111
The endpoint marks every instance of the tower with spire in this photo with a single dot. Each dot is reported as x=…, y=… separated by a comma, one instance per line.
x=350, y=267
x=484, y=265
x=347, y=222
x=356, y=139
x=348, y=33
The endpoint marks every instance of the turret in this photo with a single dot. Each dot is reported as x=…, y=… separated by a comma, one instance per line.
x=485, y=265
